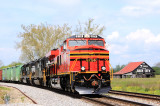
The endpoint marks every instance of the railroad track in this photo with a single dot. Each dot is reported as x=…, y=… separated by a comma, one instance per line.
x=110, y=101
x=95, y=99
x=150, y=99
x=140, y=95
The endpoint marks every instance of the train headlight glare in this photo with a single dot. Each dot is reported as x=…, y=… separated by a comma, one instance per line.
x=103, y=68
x=83, y=68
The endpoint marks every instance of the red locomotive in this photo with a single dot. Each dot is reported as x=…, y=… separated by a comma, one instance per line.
x=80, y=65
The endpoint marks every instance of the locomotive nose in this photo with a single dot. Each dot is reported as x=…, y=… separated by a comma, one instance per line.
x=94, y=83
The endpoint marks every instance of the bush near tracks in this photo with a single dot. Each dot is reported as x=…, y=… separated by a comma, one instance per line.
x=139, y=85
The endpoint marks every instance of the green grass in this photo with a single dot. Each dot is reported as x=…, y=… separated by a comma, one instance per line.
x=4, y=88
x=139, y=85
x=22, y=99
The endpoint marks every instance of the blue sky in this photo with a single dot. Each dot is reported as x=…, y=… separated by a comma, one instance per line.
x=132, y=26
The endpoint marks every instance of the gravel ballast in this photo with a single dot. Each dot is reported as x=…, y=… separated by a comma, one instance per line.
x=48, y=98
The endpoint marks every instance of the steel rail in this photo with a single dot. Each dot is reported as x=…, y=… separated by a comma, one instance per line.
x=111, y=101
x=97, y=102
x=139, y=95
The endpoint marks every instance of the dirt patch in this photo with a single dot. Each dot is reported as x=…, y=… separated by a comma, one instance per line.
x=13, y=95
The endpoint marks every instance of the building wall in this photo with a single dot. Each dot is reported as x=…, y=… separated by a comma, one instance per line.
x=144, y=70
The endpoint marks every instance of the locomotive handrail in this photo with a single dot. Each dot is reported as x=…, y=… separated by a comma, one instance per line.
x=74, y=63
x=44, y=76
x=30, y=75
x=111, y=71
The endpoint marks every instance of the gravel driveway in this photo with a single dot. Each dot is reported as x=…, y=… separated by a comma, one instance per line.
x=48, y=98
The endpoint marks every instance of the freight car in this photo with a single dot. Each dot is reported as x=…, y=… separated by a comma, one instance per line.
x=11, y=74
x=80, y=65
x=0, y=75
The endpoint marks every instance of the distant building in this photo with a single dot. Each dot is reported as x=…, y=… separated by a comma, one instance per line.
x=135, y=70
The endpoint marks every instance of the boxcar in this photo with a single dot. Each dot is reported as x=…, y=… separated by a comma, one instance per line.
x=0, y=75
x=16, y=74
x=12, y=72
x=4, y=74
x=8, y=75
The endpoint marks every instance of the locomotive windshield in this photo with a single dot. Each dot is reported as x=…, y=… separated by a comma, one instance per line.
x=77, y=42
x=96, y=42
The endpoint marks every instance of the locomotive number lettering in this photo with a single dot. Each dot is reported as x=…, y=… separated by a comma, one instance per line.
x=90, y=60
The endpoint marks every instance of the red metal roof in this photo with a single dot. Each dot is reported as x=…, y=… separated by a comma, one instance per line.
x=129, y=68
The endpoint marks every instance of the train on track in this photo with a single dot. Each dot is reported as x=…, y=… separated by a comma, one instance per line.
x=81, y=64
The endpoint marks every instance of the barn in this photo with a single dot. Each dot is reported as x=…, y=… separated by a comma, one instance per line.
x=135, y=70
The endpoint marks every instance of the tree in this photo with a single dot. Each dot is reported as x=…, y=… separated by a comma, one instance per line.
x=157, y=64
x=12, y=64
x=157, y=70
x=37, y=40
x=118, y=68
x=89, y=28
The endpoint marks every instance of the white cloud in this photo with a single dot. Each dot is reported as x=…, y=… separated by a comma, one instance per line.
x=147, y=3
x=135, y=10
x=141, y=7
x=140, y=35
x=113, y=36
x=118, y=49
x=144, y=37
x=140, y=45
x=65, y=2
x=154, y=39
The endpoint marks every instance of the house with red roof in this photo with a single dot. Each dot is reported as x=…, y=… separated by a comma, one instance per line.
x=135, y=70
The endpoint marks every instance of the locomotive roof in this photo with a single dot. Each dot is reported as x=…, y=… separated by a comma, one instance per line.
x=86, y=36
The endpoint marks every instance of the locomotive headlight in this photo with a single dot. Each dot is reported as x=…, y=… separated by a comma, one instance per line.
x=82, y=69
x=103, y=68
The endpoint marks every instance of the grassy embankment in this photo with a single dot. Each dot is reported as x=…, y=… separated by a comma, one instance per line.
x=139, y=85
x=3, y=91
